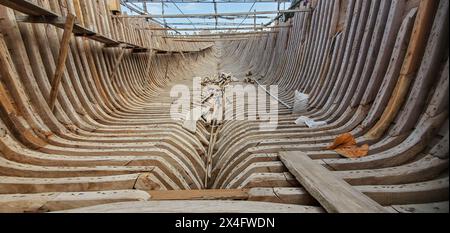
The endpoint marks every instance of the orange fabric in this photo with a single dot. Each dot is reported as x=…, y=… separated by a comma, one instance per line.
x=345, y=145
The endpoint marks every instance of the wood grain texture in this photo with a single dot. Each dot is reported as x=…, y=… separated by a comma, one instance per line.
x=62, y=57
x=334, y=194
x=375, y=69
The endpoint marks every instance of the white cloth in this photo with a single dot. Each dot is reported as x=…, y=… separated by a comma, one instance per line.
x=310, y=122
x=300, y=102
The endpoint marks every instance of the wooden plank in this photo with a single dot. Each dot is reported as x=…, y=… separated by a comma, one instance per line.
x=63, y=52
x=59, y=22
x=102, y=39
x=27, y=7
x=78, y=30
x=117, y=64
x=439, y=207
x=196, y=207
x=417, y=44
x=334, y=194
x=45, y=202
x=211, y=194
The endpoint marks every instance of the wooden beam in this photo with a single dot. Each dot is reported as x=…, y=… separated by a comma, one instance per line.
x=78, y=30
x=27, y=7
x=210, y=194
x=417, y=44
x=38, y=14
x=59, y=22
x=7, y=72
x=202, y=206
x=117, y=64
x=63, y=52
x=333, y=193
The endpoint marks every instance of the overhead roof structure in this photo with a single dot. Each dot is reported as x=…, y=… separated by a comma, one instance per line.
x=243, y=17
x=212, y=15
x=204, y=1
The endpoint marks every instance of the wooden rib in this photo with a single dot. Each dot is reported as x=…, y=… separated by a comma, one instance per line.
x=414, y=54
x=115, y=133
x=117, y=64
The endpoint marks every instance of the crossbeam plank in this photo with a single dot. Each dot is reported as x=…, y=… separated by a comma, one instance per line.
x=62, y=57
x=59, y=22
x=37, y=14
x=28, y=8
x=78, y=30
x=333, y=193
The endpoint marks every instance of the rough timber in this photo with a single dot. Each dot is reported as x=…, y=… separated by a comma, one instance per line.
x=375, y=68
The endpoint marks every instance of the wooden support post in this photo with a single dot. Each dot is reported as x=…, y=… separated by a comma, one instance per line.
x=7, y=72
x=149, y=62
x=182, y=55
x=63, y=52
x=162, y=13
x=167, y=67
x=333, y=193
x=117, y=64
x=144, y=6
x=254, y=21
x=215, y=11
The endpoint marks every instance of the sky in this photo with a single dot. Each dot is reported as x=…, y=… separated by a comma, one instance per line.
x=196, y=8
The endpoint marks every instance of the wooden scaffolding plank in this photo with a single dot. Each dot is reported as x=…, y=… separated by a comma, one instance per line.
x=27, y=7
x=78, y=30
x=333, y=193
x=63, y=52
x=37, y=14
x=59, y=22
